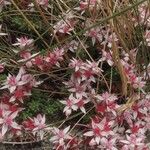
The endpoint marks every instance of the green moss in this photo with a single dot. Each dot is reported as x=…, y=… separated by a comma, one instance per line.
x=3, y=77
x=41, y=103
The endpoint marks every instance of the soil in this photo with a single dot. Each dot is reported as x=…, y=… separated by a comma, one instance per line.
x=44, y=145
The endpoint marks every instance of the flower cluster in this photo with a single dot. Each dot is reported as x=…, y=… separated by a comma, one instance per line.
x=65, y=25
x=43, y=3
x=80, y=84
x=36, y=60
x=130, y=71
x=37, y=126
x=144, y=14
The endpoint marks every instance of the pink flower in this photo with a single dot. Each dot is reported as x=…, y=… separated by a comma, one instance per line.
x=110, y=38
x=27, y=57
x=107, y=56
x=19, y=94
x=23, y=42
x=54, y=57
x=72, y=46
x=132, y=141
x=38, y=61
x=137, y=129
x=39, y=125
x=78, y=89
x=87, y=4
x=65, y=25
x=70, y=105
x=109, y=144
x=106, y=97
x=99, y=130
x=7, y=121
x=39, y=121
x=89, y=70
x=81, y=101
x=88, y=74
x=137, y=82
x=43, y=3
x=95, y=34
x=76, y=64
x=74, y=103
x=28, y=124
x=60, y=136
x=20, y=86
x=30, y=81
x=36, y=125
x=83, y=5
x=107, y=102
x=13, y=82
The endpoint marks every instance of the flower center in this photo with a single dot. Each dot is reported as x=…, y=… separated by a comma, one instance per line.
x=8, y=121
x=12, y=81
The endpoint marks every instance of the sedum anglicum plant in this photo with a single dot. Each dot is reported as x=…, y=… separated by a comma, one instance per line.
x=93, y=58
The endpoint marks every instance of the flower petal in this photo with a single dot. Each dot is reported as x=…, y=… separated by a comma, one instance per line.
x=89, y=133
